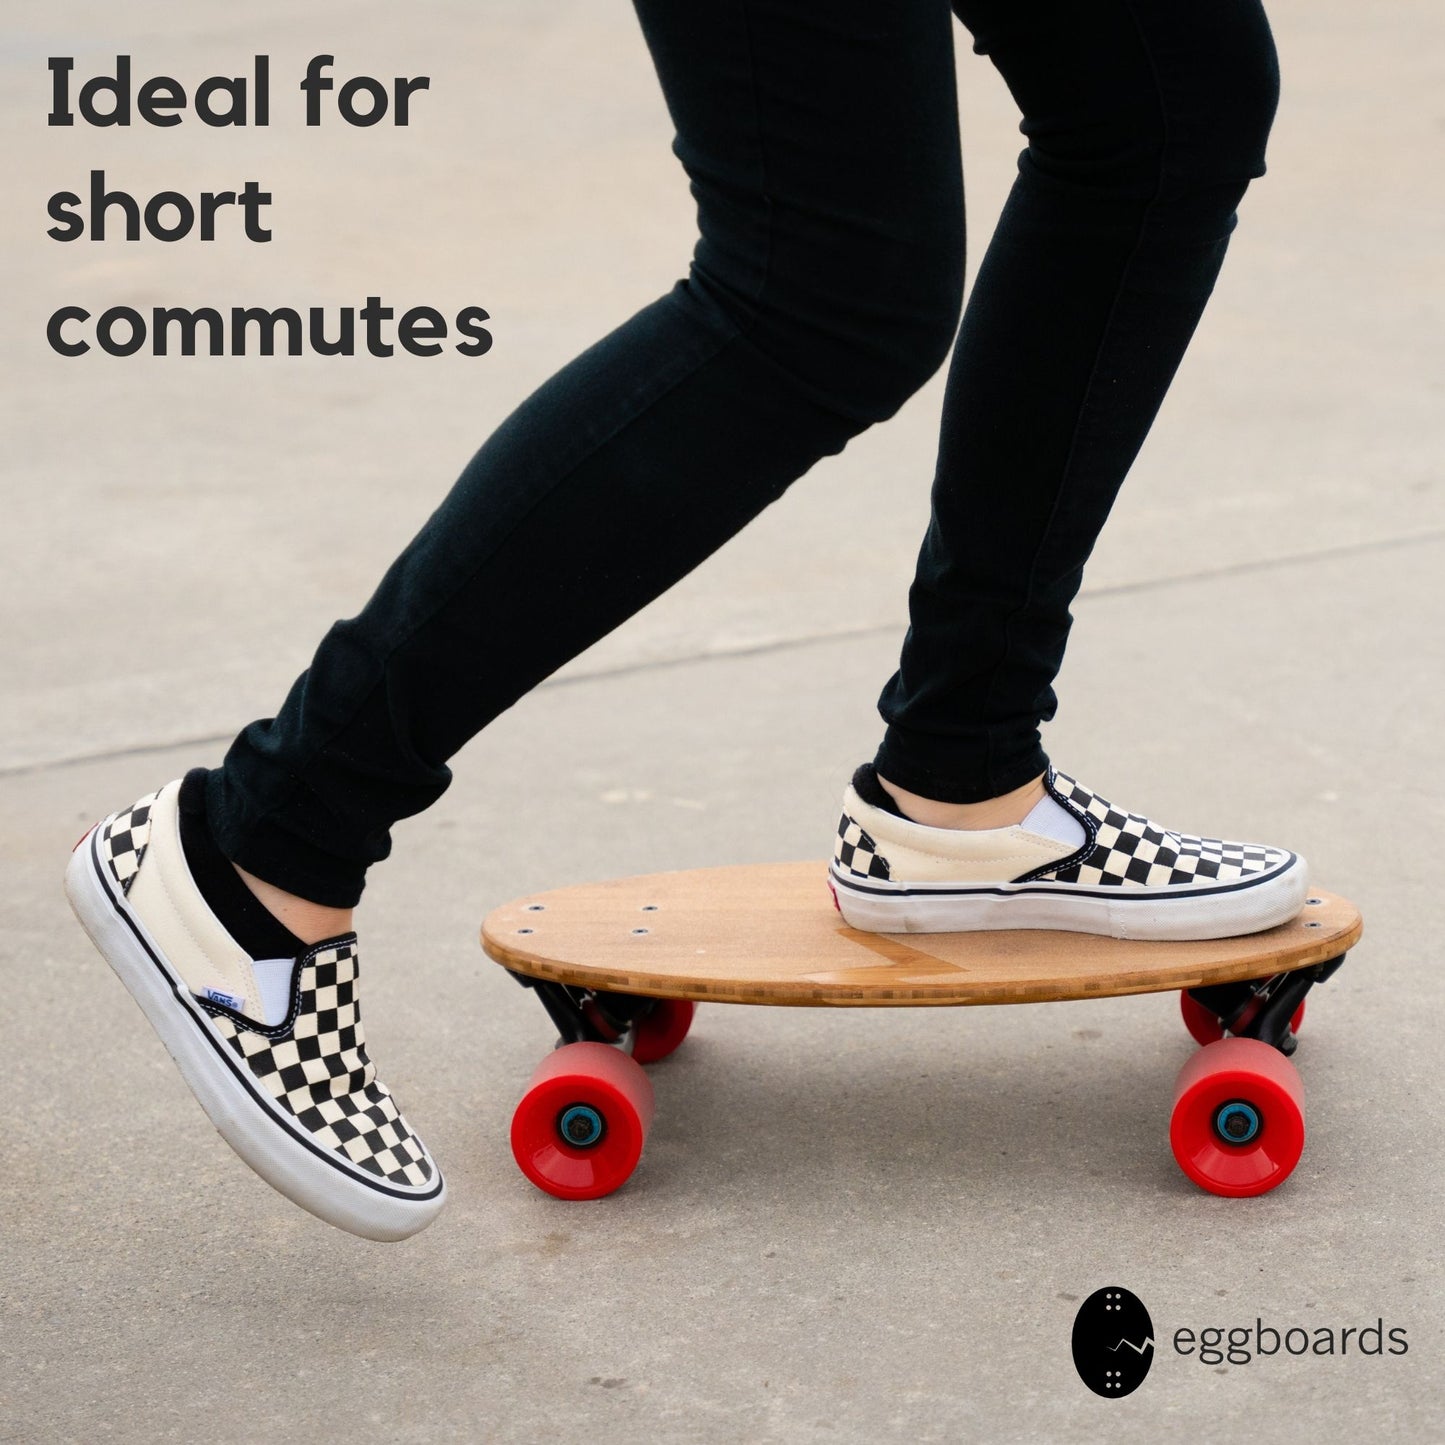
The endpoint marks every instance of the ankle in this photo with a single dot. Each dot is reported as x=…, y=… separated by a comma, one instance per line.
x=310, y=922
x=1005, y=811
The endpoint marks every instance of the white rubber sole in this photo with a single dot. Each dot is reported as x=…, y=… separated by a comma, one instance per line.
x=247, y=1118
x=1188, y=911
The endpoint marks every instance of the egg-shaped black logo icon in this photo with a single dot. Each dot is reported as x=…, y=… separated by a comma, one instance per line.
x=1113, y=1341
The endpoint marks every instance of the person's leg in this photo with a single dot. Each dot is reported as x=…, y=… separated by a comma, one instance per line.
x=1145, y=121
x=821, y=145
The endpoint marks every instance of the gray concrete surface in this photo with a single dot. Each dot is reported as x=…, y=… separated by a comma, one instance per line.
x=855, y=1226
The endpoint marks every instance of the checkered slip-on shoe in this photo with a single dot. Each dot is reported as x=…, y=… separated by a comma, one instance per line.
x=1130, y=878
x=273, y=1049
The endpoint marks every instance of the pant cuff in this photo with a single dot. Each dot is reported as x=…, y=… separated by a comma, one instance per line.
x=935, y=768
x=266, y=848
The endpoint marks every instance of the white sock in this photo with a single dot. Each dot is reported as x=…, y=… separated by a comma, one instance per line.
x=1051, y=820
x=273, y=978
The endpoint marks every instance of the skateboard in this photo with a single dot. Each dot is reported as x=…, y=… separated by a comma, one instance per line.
x=620, y=967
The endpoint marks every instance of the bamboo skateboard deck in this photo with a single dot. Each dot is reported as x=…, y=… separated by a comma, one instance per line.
x=767, y=934
x=620, y=966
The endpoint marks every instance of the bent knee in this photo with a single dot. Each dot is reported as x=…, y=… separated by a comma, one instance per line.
x=863, y=339
x=1173, y=122
x=1219, y=120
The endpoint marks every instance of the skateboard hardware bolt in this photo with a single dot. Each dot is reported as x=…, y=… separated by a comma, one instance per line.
x=1313, y=924
x=1236, y=1122
x=1314, y=902
x=581, y=1126
x=536, y=907
x=525, y=930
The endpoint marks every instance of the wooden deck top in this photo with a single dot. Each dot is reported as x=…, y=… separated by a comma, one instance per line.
x=769, y=934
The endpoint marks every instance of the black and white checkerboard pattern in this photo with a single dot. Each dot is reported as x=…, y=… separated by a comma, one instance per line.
x=319, y=1071
x=123, y=840
x=856, y=851
x=1130, y=851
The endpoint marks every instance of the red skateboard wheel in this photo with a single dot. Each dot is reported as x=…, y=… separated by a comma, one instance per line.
x=579, y=1129
x=1238, y=1123
x=663, y=1030
x=1203, y=1026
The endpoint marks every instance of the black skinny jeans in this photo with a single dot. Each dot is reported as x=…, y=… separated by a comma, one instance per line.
x=821, y=141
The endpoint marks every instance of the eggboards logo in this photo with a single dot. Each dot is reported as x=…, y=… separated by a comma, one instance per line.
x=1113, y=1342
